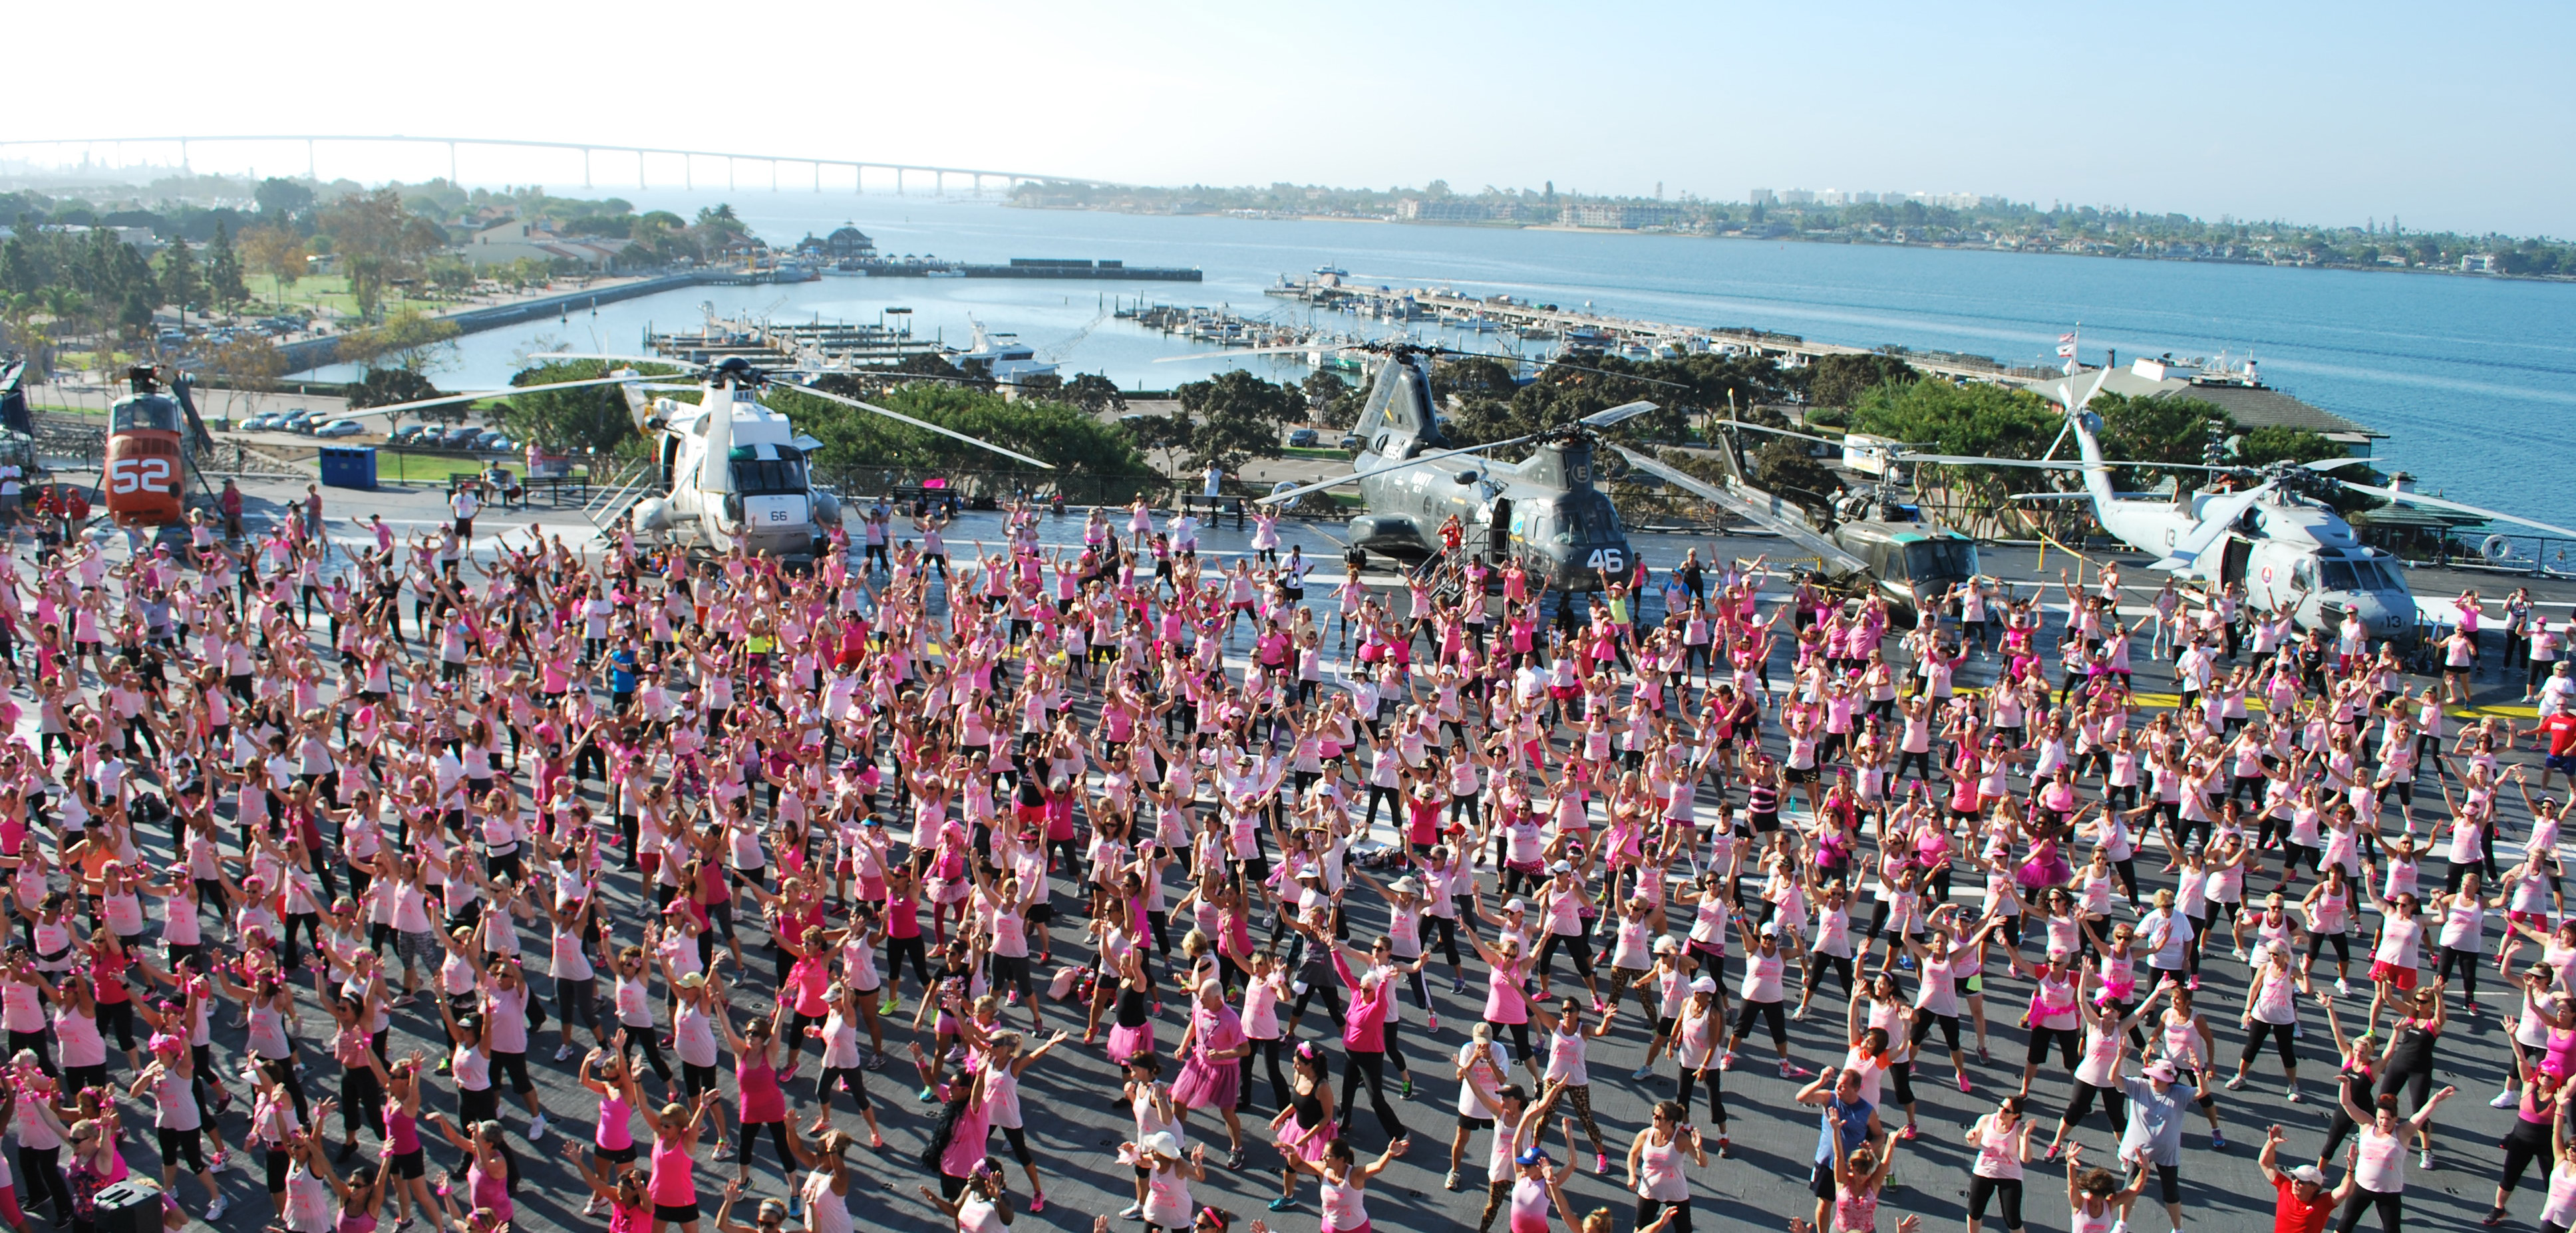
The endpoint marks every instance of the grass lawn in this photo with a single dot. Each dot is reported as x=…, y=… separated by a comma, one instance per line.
x=405, y=467
x=1311, y=451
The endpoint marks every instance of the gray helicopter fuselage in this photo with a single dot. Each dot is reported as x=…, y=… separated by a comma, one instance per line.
x=1541, y=511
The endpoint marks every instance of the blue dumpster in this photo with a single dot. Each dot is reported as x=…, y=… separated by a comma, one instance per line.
x=349, y=466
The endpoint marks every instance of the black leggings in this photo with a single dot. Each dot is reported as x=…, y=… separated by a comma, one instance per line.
x=2392, y=1210
x=2280, y=1034
x=1716, y=1096
x=1769, y=1013
x=1982, y=1190
x=751, y=1140
x=2115, y=1106
x=2467, y=963
x=41, y=1178
x=1268, y=1051
x=1369, y=1066
x=2526, y=1144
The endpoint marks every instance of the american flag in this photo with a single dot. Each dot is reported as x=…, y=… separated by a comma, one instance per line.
x=2066, y=351
x=2066, y=338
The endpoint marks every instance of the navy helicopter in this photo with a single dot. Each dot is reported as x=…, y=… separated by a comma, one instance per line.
x=1541, y=511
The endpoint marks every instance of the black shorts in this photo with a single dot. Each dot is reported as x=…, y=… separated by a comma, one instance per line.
x=1820, y=1181
x=676, y=1213
x=616, y=1155
x=1474, y=1123
x=411, y=1164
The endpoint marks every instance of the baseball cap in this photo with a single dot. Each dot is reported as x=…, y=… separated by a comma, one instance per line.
x=2161, y=1071
x=2309, y=1175
x=1703, y=985
x=1533, y=1156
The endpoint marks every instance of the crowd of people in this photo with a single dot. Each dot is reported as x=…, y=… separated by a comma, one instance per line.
x=964, y=811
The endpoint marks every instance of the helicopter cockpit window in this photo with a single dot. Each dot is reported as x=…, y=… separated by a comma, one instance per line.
x=2338, y=575
x=760, y=476
x=1940, y=559
x=2304, y=574
x=1554, y=527
x=146, y=414
x=2375, y=576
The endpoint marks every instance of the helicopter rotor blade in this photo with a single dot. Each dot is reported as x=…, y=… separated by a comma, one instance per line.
x=2216, y=517
x=1300, y=349
x=2417, y=498
x=1828, y=554
x=2329, y=464
x=1422, y=460
x=1624, y=411
x=1974, y=460
x=1779, y=432
x=503, y=392
x=923, y=424
x=551, y=356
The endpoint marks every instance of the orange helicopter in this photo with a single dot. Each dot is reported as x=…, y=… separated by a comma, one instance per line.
x=150, y=436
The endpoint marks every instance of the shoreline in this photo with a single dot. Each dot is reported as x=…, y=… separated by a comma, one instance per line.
x=1794, y=238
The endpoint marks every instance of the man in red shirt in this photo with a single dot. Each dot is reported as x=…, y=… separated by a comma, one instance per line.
x=2305, y=1203
x=2561, y=730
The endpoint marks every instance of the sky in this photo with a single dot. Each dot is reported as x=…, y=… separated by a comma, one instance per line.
x=2454, y=118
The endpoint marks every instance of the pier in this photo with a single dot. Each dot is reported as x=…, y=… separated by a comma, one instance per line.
x=1583, y=329
x=1069, y=268
x=819, y=345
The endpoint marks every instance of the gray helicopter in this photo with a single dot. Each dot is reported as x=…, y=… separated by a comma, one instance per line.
x=1541, y=511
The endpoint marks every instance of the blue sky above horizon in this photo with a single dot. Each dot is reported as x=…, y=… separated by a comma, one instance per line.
x=2455, y=119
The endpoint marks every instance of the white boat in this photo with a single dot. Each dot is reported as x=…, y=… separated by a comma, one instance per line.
x=1004, y=356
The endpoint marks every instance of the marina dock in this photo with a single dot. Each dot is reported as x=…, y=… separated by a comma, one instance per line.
x=1066, y=268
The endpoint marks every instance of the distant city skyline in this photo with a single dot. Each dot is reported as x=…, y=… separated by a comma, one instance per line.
x=2298, y=112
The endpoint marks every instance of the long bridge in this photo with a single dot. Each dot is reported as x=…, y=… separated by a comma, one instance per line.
x=618, y=159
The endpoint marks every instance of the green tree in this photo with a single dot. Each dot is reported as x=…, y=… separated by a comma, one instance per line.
x=1331, y=400
x=2159, y=429
x=591, y=418
x=1237, y=416
x=408, y=340
x=1980, y=419
x=1839, y=380
x=282, y=199
x=224, y=269
x=1783, y=466
x=2277, y=444
x=1168, y=435
x=179, y=283
x=277, y=252
x=1094, y=393
x=1057, y=432
x=378, y=239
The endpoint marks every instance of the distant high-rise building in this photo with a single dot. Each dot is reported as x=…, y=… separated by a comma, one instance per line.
x=1797, y=196
x=1762, y=197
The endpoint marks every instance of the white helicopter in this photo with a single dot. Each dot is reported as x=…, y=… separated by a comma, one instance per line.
x=2277, y=538
x=729, y=471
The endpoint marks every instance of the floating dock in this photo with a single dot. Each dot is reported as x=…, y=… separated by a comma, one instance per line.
x=1019, y=267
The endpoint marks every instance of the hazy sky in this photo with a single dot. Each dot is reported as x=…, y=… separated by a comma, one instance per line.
x=2455, y=117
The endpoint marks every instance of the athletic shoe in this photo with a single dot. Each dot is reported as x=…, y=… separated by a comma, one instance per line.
x=2343, y=988
x=2424, y=1159
x=926, y=1096
x=2236, y=1084
x=1406, y=1091
x=1451, y=1182
x=1642, y=1073
x=1280, y=1204
x=1963, y=1082
x=1725, y=1149
x=2292, y=1095
x=2217, y=1141
x=215, y=1210
x=536, y=1128
x=1457, y=984
x=1791, y=1070
x=2505, y=1099
x=1037, y=1203
x=1133, y=1211
x=1601, y=1163
x=1726, y=1060
x=563, y=1053
x=1908, y=1133
x=1431, y=1023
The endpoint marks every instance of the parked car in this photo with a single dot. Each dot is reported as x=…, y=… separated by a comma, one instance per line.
x=261, y=422
x=461, y=438
x=339, y=428
x=1351, y=441
x=1303, y=438
x=297, y=421
x=413, y=434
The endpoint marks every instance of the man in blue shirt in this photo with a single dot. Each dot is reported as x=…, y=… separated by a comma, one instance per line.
x=1844, y=1123
x=621, y=674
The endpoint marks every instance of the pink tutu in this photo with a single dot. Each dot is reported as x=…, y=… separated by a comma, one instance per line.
x=1127, y=1042
x=1205, y=1084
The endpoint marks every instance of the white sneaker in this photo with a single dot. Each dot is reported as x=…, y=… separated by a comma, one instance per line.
x=2505, y=1099
x=2424, y=1159
x=536, y=1128
x=215, y=1210
x=2343, y=988
x=563, y=1053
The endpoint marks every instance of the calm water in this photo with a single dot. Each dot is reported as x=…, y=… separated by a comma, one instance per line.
x=2474, y=380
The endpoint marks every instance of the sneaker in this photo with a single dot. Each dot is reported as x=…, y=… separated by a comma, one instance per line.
x=1037, y=1203
x=2217, y=1141
x=1406, y=1091
x=1725, y=1148
x=536, y=1128
x=796, y=1205
x=1457, y=984
x=1792, y=1070
x=2505, y=1099
x=2343, y=988
x=1726, y=1060
x=2292, y=1095
x=1642, y=1073
x=2119, y=1226
x=1280, y=1204
x=215, y=1210
x=2236, y=1084
x=1450, y=1182
x=563, y=1053
x=1601, y=1164
x=1136, y=1211
x=223, y=1161
x=927, y=1095
x=2424, y=1159
x=1963, y=1082
x=887, y=1006
x=1431, y=1023
x=1908, y=1133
